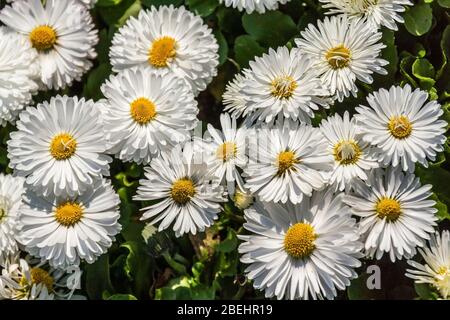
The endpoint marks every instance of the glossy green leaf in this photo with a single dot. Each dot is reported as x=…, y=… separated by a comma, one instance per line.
x=418, y=19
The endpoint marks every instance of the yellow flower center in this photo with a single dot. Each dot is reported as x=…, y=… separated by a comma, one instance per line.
x=400, y=127
x=243, y=200
x=2, y=214
x=43, y=38
x=346, y=152
x=142, y=110
x=388, y=208
x=442, y=281
x=338, y=57
x=162, y=51
x=68, y=214
x=182, y=190
x=39, y=276
x=283, y=87
x=285, y=161
x=226, y=151
x=299, y=240
x=63, y=146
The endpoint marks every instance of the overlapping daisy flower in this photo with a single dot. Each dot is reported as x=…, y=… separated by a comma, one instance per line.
x=188, y=196
x=343, y=51
x=281, y=82
x=321, y=185
x=376, y=13
x=59, y=146
x=250, y=6
x=11, y=190
x=168, y=39
x=61, y=32
x=18, y=72
x=33, y=280
x=308, y=250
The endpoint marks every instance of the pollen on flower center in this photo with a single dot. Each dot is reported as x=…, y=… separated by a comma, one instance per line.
x=63, y=146
x=346, y=152
x=182, y=190
x=43, y=37
x=338, y=57
x=285, y=161
x=299, y=240
x=400, y=127
x=226, y=151
x=142, y=110
x=162, y=51
x=68, y=214
x=283, y=87
x=39, y=276
x=388, y=208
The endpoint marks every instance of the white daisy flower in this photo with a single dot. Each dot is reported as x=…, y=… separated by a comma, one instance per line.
x=291, y=161
x=402, y=126
x=343, y=51
x=279, y=83
x=436, y=268
x=234, y=100
x=226, y=151
x=22, y=281
x=187, y=196
x=301, y=251
x=376, y=12
x=260, y=6
x=89, y=3
x=147, y=113
x=396, y=215
x=62, y=33
x=58, y=146
x=352, y=156
x=17, y=74
x=65, y=230
x=11, y=190
x=168, y=39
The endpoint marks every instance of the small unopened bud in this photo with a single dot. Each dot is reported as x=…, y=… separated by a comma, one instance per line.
x=243, y=199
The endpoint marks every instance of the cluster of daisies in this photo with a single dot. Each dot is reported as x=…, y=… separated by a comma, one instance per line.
x=316, y=200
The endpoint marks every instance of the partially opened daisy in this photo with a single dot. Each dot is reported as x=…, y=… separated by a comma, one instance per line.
x=226, y=151
x=147, y=113
x=65, y=230
x=11, y=190
x=59, y=146
x=303, y=251
x=352, y=156
x=435, y=269
x=376, y=12
x=62, y=33
x=168, y=39
x=260, y=6
x=18, y=73
x=342, y=52
x=404, y=127
x=396, y=214
x=281, y=82
x=291, y=160
x=22, y=280
x=188, y=196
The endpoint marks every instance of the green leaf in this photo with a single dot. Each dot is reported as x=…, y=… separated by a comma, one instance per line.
x=418, y=19
x=444, y=3
x=424, y=291
x=120, y=296
x=98, y=278
x=138, y=267
x=112, y=14
x=405, y=69
x=438, y=178
x=108, y=3
x=203, y=7
x=132, y=11
x=95, y=80
x=223, y=47
x=156, y=3
x=230, y=243
x=272, y=29
x=358, y=289
x=246, y=49
x=423, y=70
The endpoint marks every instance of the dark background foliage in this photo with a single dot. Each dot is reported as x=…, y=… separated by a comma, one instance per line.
x=145, y=264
